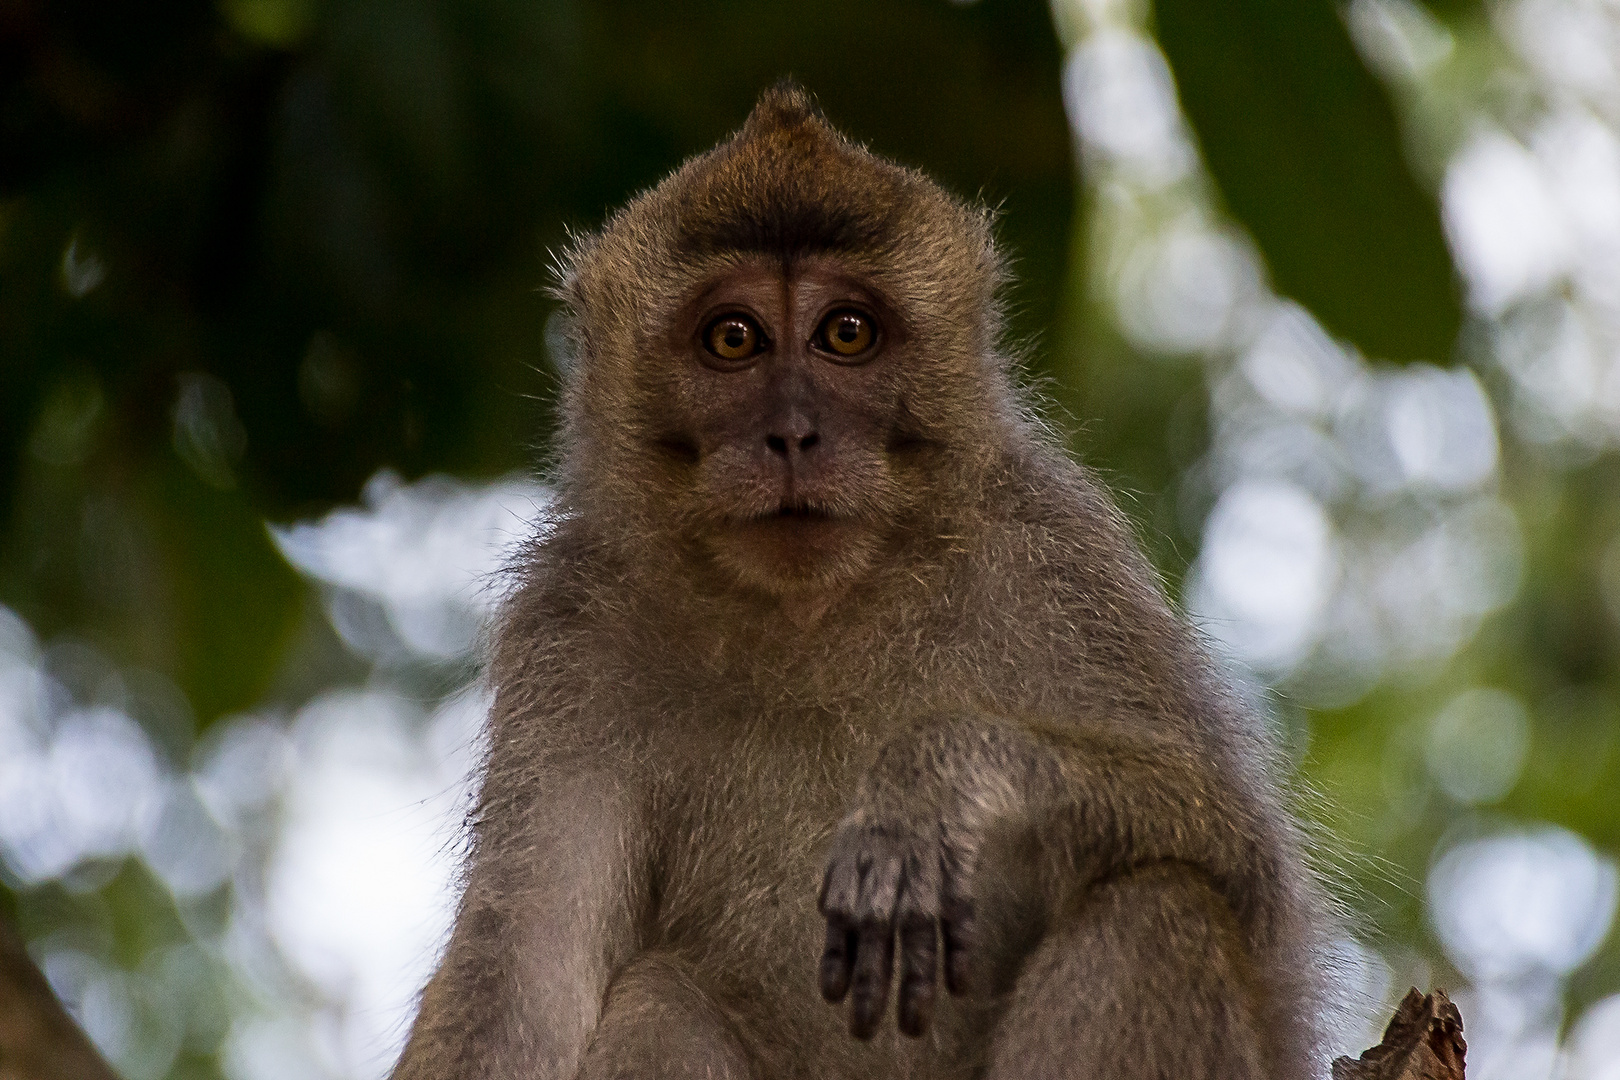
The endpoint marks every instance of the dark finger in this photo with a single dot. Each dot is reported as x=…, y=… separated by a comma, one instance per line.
x=837, y=960
x=918, y=978
x=956, y=930
x=839, y=888
x=869, y=986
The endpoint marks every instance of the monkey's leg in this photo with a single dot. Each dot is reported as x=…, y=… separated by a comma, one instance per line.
x=1145, y=979
x=658, y=1023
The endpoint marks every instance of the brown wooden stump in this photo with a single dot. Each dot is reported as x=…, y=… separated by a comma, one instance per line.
x=1423, y=1042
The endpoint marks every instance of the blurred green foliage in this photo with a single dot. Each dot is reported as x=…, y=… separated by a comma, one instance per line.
x=342, y=213
x=1304, y=146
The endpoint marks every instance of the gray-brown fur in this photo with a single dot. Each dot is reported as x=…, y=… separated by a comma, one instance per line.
x=976, y=708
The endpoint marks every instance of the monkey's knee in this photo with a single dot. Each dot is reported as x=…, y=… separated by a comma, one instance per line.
x=658, y=1023
x=1147, y=978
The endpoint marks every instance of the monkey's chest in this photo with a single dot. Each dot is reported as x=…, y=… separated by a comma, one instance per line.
x=736, y=880
x=742, y=847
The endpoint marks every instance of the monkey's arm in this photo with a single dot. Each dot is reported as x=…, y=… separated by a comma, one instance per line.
x=545, y=920
x=1065, y=808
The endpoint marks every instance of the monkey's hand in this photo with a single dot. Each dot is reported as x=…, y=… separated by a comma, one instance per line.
x=890, y=878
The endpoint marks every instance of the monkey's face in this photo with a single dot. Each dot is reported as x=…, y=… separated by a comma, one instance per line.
x=782, y=417
x=786, y=357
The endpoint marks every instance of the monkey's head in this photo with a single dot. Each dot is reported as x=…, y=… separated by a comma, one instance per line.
x=783, y=352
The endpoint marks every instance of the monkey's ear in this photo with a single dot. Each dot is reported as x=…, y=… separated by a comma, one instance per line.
x=563, y=267
x=785, y=105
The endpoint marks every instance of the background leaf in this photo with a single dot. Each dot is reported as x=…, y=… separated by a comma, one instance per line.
x=1305, y=148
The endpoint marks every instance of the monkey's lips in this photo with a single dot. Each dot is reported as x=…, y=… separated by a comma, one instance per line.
x=796, y=541
x=797, y=523
x=797, y=512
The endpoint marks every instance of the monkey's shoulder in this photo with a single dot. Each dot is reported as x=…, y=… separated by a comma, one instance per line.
x=1053, y=537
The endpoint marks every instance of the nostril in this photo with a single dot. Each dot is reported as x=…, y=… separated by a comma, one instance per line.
x=787, y=445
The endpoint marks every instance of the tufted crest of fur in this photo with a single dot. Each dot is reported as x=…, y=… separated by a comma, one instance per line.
x=788, y=185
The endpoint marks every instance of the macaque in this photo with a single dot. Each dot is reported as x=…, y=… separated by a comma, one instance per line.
x=840, y=728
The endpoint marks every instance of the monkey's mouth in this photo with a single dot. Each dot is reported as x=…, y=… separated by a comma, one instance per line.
x=797, y=512
x=794, y=545
x=795, y=531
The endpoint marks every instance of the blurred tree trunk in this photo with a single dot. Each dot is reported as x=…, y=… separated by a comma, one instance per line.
x=38, y=1039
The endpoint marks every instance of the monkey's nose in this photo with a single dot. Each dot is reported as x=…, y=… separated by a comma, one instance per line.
x=791, y=446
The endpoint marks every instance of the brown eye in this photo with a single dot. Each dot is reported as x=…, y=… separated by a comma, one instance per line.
x=847, y=333
x=733, y=337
